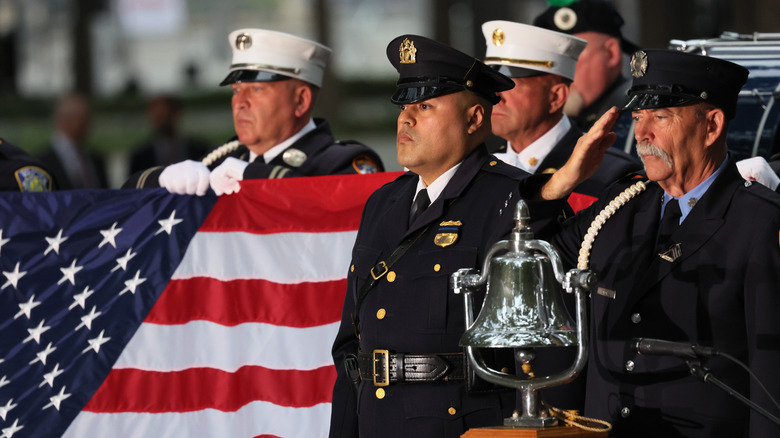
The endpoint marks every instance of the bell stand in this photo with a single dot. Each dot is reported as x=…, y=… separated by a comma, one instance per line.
x=534, y=420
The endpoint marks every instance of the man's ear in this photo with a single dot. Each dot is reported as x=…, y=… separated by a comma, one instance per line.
x=302, y=96
x=715, y=125
x=476, y=117
x=559, y=94
x=612, y=46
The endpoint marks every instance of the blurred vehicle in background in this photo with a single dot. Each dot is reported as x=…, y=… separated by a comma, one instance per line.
x=755, y=129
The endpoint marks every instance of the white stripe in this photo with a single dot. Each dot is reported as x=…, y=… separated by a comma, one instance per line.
x=284, y=257
x=206, y=344
x=254, y=419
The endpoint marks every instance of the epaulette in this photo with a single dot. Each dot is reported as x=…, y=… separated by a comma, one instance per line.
x=752, y=187
x=495, y=165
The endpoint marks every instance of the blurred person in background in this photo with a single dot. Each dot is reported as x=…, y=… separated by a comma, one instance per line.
x=20, y=172
x=599, y=83
x=67, y=157
x=275, y=78
x=165, y=145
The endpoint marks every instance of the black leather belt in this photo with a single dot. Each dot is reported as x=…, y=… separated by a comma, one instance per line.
x=383, y=368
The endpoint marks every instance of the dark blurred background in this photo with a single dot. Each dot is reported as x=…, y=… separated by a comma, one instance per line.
x=122, y=53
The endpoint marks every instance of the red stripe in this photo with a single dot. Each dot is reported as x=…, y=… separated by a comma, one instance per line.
x=235, y=302
x=130, y=390
x=264, y=205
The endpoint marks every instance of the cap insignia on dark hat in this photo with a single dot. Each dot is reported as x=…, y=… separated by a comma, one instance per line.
x=498, y=36
x=565, y=18
x=408, y=52
x=243, y=42
x=639, y=64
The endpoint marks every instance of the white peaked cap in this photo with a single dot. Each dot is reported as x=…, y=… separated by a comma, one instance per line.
x=530, y=50
x=261, y=55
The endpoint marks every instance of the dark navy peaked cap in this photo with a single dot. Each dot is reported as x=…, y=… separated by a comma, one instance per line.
x=586, y=16
x=668, y=78
x=429, y=69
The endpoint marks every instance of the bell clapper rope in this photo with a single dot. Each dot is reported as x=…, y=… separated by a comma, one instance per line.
x=220, y=152
x=613, y=206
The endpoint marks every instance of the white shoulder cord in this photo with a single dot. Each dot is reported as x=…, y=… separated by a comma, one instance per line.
x=220, y=152
x=613, y=206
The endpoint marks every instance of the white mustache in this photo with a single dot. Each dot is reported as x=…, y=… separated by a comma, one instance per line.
x=647, y=148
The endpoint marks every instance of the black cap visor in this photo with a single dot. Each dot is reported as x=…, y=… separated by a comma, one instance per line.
x=415, y=94
x=659, y=96
x=237, y=76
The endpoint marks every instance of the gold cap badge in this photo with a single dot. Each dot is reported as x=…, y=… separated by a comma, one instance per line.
x=639, y=64
x=408, y=52
x=499, y=36
x=243, y=42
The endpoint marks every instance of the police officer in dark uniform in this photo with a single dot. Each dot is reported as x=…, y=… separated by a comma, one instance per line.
x=19, y=171
x=275, y=79
x=599, y=83
x=442, y=215
x=689, y=254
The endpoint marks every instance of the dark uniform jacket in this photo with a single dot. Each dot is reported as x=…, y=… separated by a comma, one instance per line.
x=21, y=172
x=412, y=309
x=324, y=155
x=722, y=292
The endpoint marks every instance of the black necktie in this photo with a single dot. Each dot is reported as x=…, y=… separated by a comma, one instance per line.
x=421, y=202
x=669, y=223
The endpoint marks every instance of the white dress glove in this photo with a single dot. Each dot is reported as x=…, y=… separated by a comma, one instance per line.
x=185, y=178
x=225, y=178
x=757, y=169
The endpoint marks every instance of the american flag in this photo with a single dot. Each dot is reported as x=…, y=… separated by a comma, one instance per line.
x=140, y=313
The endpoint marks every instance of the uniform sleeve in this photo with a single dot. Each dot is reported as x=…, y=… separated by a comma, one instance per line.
x=149, y=178
x=762, y=299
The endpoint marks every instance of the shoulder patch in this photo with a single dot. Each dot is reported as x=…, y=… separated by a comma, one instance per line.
x=33, y=179
x=363, y=165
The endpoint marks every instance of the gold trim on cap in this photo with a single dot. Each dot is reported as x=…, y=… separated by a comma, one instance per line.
x=408, y=52
x=534, y=62
x=499, y=36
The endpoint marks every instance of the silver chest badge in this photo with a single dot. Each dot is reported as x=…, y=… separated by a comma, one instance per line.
x=294, y=157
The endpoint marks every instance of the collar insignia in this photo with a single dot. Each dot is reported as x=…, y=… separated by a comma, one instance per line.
x=294, y=157
x=672, y=254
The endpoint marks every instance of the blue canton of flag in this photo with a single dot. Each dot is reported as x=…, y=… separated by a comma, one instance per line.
x=79, y=271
